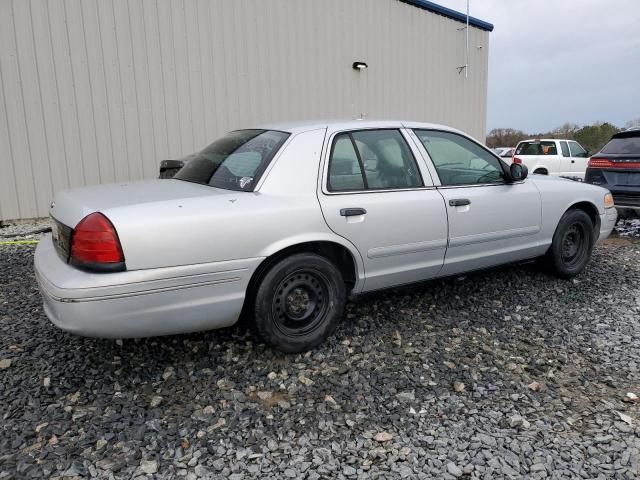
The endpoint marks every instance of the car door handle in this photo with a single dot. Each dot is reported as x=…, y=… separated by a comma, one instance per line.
x=352, y=212
x=573, y=161
x=459, y=202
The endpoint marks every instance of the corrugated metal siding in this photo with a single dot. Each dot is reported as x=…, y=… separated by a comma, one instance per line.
x=96, y=91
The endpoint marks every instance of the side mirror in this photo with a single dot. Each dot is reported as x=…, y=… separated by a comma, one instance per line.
x=518, y=172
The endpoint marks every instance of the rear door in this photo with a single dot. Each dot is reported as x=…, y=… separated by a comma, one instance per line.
x=377, y=196
x=579, y=159
x=490, y=222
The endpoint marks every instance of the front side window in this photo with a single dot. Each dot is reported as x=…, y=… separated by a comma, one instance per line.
x=235, y=161
x=458, y=160
x=577, y=150
x=565, y=149
x=372, y=160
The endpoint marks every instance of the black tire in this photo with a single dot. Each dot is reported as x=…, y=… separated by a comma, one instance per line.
x=299, y=302
x=572, y=244
x=541, y=171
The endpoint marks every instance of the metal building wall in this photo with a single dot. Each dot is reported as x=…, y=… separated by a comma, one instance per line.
x=97, y=91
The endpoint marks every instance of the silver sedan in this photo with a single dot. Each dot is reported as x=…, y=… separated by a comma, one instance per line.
x=285, y=222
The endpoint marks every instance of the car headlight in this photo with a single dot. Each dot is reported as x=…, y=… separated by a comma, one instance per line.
x=608, y=201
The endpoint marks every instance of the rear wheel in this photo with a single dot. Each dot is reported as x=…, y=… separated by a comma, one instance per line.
x=572, y=244
x=299, y=302
x=541, y=171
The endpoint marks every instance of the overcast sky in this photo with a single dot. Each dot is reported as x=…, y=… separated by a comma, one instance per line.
x=557, y=61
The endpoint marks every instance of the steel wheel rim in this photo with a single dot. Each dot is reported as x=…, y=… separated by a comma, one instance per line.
x=300, y=302
x=572, y=247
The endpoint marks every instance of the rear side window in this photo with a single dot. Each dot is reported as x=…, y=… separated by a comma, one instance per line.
x=345, y=172
x=623, y=146
x=565, y=149
x=372, y=160
x=458, y=160
x=235, y=161
x=537, y=148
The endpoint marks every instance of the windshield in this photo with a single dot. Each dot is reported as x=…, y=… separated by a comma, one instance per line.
x=235, y=161
x=623, y=145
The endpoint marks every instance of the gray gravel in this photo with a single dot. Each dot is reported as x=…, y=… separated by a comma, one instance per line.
x=502, y=374
x=22, y=230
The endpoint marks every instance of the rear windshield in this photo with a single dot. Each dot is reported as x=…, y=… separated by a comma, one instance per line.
x=537, y=148
x=622, y=146
x=235, y=161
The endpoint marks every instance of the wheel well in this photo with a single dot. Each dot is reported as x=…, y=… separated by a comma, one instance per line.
x=591, y=210
x=339, y=255
x=542, y=171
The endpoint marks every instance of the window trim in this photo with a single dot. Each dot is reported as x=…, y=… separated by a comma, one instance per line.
x=584, y=150
x=503, y=165
x=325, y=184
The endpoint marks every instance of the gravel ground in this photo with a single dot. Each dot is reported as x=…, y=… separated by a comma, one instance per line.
x=502, y=374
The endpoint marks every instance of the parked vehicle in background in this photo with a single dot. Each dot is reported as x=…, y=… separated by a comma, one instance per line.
x=504, y=152
x=285, y=222
x=562, y=158
x=617, y=168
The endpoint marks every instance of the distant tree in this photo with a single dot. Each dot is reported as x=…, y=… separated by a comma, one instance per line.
x=505, y=137
x=567, y=131
x=594, y=137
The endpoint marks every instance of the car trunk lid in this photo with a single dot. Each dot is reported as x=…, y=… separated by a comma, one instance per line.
x=71, y=206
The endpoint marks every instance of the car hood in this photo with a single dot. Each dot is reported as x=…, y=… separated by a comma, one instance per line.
x=71, y=206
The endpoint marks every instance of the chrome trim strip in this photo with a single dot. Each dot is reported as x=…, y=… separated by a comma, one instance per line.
x=135, y=294
x=493, y=236
x=353, y=192
x=407, y=248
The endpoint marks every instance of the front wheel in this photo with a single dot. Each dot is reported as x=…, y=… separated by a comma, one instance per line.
x=572, y=244
x=299, y=302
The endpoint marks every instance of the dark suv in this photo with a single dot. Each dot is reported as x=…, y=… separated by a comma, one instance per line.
x=617, y=167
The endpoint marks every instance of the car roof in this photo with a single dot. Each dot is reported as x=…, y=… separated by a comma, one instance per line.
x=631, y=132
x=337, y=124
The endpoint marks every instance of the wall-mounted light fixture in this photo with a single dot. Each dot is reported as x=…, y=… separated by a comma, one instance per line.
x=359, y=65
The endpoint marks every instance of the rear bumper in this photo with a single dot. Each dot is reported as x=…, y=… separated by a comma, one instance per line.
x=142, y=303
x=607, y=222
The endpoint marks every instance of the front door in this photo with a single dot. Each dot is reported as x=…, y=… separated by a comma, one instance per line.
x=567, y=163
x=490, y=221
x=375, y=195
x=579, y=158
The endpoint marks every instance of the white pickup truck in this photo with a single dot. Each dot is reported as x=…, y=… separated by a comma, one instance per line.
x=563, y=158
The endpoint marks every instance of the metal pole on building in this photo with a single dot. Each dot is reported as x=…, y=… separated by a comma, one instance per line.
x=466, y=46
x=465, y=67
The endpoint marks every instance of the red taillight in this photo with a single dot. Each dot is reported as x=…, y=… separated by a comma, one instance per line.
x=606, y=163
x=516, y=160
x=95, y=244
x=599, y=163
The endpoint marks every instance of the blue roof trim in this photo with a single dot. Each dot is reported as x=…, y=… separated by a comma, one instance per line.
x=447, y=12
